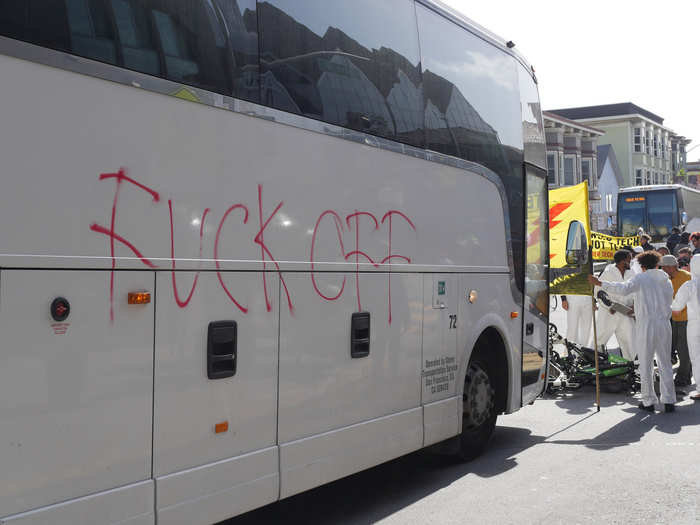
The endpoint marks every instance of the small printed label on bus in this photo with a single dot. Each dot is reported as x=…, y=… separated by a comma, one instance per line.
x=60, y=328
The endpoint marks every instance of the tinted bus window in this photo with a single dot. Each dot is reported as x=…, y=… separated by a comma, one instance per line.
x=662, y=212
x=689, y=201
x=192, y=42
x=354, y=64
x=41, y=22
x=138, y=41
x=91, y=30
x=472, y=108
x=533, y=125
x=241, y=25
x=182, y=40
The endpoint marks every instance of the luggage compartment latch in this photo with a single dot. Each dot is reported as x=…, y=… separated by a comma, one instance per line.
x=359, y=335
x=222, y=342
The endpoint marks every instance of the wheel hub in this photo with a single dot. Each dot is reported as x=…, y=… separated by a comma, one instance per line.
x=479, y=397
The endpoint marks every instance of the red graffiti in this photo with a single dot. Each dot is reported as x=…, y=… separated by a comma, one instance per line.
x=216, y=252
x=389, y=215
x=180, y=303
x=266, y=252
x=353, y=220
x=339, y=229
x=120, y=176
x=356, y=252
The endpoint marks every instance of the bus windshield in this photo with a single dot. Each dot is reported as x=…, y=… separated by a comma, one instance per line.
x=654, y=211
x=662, y=213
x=631, y=213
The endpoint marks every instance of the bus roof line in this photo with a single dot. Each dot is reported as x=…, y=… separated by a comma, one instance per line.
x=477, y=30
x=657, y=187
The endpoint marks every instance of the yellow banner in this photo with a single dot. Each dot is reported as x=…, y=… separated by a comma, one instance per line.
x=605, y=246
x=568, y=223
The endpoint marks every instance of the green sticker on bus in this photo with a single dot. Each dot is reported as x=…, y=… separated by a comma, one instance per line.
x=441, y=287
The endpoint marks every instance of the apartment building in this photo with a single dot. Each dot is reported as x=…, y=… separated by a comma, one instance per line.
x=647, y=151
x=571, y=151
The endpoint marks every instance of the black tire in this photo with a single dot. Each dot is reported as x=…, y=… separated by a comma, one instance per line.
x=478, y=409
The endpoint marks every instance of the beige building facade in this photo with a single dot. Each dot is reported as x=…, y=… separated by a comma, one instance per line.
x=647, y=151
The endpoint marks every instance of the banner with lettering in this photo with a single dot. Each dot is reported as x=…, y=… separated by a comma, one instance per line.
x=605, y=246
x=569, y=240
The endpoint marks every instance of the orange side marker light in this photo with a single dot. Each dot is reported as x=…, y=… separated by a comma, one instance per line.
x=139, y=297
x=514, y=315
x=222, y=427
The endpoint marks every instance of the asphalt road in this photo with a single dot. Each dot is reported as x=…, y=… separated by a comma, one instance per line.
x=557, y=461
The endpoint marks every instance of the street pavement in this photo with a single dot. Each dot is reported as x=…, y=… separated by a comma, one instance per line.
x=557, y=461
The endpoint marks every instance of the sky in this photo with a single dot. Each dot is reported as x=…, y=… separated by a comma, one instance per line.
x=607, y=51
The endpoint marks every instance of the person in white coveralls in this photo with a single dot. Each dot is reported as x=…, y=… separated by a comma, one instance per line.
x=579, y=318
x=653, y=295
x=610, y=322
x=689, y=295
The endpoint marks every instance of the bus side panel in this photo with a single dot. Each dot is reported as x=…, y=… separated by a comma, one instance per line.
x=210, y=158
x=439, y=366
x=130, y=505
x=491, y=308
x=324, y=388
x=204, y=475
x=75, y=395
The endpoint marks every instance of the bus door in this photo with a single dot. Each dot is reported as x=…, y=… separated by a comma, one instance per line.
x=536, y=307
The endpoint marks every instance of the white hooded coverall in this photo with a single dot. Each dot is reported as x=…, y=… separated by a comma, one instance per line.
x=619, y=324
x=689, y=295
x=653, y=295
x=579, y=319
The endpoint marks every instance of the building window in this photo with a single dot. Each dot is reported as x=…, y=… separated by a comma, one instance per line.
x=637, y=140
x=609, y=202
x=561, y=167
x=647, y=143
x=638, y=179
x=663, y=149
x=586, y=173
x=551, y=169
x=656, y=146
x=647, y=179
x=569, y=170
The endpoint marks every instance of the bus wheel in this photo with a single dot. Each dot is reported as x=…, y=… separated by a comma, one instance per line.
x=478, y=409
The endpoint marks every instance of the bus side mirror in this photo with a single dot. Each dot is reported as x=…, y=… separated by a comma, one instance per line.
x=576, y=245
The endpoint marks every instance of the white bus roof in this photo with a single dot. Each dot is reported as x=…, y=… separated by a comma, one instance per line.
x=658, y=187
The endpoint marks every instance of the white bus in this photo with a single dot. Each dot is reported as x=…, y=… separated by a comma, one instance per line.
x=657, y=209
x=248, y=248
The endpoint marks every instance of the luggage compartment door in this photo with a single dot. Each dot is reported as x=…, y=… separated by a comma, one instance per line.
x=215, y=396
x=75, y=390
